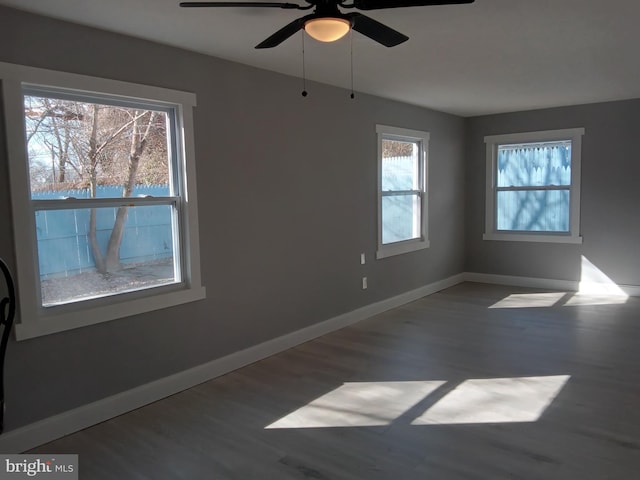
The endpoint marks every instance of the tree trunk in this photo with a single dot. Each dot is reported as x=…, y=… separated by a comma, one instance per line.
x=93, y=184
x=93, y=238
x=138, y=144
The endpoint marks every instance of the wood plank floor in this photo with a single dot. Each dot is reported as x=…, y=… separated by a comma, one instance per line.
x=474, y=382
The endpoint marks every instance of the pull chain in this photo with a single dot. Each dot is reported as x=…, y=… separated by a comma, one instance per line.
x=351, y=41
x=304, y=74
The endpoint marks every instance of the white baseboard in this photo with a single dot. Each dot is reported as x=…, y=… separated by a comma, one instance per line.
x=515, y=281
x=38, y=433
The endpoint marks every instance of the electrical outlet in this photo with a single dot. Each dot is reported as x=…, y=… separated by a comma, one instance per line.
x=364, y=283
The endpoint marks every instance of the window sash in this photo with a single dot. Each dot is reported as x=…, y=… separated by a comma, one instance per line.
x=552, y=218
x=174, y=132
x=527, y=158
x=177, y=242
x=411, y=220
x=419, y=179
x=419, y=175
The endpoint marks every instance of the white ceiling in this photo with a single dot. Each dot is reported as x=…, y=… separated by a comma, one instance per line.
x=488, y=57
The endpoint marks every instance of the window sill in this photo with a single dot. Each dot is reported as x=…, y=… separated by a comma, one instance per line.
x=399, y=248
x=533, y=237
x=59, y=322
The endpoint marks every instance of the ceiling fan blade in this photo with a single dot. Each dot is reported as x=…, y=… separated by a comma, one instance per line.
x=284, y=33
x=292, y=6
x=375, y=30
x=379, y=4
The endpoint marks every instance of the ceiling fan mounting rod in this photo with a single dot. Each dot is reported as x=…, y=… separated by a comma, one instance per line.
x=327, y=8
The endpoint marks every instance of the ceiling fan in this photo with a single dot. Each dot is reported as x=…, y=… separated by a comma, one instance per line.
x=328, y=24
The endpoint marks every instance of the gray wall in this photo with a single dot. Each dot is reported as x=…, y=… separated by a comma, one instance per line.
x=610, y=191
x=302, y=177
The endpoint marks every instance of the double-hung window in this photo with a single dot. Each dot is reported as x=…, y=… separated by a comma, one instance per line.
x=103, y=192
x=402, y=194
x=533, y=186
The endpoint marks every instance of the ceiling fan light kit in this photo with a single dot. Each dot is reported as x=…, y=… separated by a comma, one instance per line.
x=327, y=29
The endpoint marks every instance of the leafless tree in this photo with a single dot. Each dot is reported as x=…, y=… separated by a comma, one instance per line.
x=396, y=148
x=90, y=145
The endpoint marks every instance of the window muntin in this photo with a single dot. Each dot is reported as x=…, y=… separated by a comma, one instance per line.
x=402, y=190
x=175, y=197
x=533, y=186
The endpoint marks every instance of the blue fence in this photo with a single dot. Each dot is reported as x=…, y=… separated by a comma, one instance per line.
x=63, y=242
x=400, y=213
x=532, y=167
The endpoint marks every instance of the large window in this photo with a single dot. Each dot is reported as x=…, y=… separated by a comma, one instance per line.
x=100, y=172
x=533, y=186
x=402, y=196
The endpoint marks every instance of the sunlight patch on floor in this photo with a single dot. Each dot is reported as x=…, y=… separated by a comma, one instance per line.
x=595, y=282
x=594, y=288
x=495, y=400
x=359, y=404
x=529, y=300
x=587, y=296
x=591, y=299
x=374, y=404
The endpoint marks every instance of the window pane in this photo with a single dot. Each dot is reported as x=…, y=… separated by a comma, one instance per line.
x=534, y=164
x=68, y=268
x=400, y=165
x=533, y=210
x=400, y=218
x=100, y=150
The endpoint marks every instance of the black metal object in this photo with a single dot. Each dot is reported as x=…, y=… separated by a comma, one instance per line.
x=7, y=314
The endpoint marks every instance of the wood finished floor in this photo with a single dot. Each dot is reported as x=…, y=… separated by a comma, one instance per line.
x=216, y=430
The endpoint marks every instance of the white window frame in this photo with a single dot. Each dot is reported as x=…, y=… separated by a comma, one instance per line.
x=385, y=132
x=492, y=143
x=35, y=320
